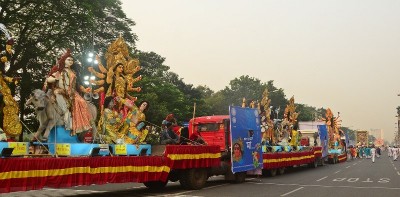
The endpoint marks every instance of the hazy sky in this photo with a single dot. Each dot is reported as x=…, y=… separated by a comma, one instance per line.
x=342, y=54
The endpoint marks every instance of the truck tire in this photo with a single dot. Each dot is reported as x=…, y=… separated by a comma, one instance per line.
x=272, y=172
x=281, y=171
x=240, y=177
x=313, y=164
x=183, y=181
x=333, y=160
x=194, y=178
x=155, y=185
x=322, y=161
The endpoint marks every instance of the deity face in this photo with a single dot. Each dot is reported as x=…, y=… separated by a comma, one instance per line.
x=120, y=68
x=111, y=104
x=143, y=106
x=68, y=62
x=236, y=151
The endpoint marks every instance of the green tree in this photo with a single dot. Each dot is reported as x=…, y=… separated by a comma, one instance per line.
x=306, y=113
x=217, y=104
x=249, y=88
x=321, y=113
x=167, y=92
x=350, y=133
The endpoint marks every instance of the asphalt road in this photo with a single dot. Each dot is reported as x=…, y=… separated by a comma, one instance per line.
x=353, y=178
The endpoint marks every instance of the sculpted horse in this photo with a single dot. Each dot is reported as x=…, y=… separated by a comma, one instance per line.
x=49, y=114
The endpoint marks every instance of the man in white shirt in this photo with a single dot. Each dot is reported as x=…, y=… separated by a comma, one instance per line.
x=373, y=153
x=395, y=153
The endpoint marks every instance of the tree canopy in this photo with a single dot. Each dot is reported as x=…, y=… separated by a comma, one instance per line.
x=43, y=30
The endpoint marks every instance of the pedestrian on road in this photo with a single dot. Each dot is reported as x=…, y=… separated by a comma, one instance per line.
x=390, y=151
x=378, y=152
x=373, y=153
x=361, y=151
x=354, y=153
x=394, y=153
x=367, y=152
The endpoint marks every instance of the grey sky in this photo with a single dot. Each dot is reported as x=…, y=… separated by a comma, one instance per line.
x=342, y=54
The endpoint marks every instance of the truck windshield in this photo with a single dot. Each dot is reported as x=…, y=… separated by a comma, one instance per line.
x=208, y=127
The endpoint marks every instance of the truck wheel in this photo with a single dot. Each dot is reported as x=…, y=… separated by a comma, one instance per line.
x=183, y=181
x=195, y=178
x=281, y=171
x=272, y=172
x=322, y=161
x=265, y=172
x=240, y=177
x=155, y=185
x=313, y=164
x=316, y=161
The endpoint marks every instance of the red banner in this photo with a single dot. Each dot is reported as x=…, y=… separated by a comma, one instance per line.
x=342, y=158
x=285, y=159
x=184, y=157
x=22, y=174
x=317, y=151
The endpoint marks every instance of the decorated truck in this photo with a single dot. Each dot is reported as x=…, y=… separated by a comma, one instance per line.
x=335, y=138
x=327, y=134
x=215, y=130
x=115, y=150
x=153, y=165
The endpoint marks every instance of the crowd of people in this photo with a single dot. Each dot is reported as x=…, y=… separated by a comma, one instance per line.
x=393, y=152
x=372, y=152
x=360, y=152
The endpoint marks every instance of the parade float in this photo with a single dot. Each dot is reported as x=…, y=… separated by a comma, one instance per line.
x=117, y=152
x=279, y=141
x=287, y=150
x=335, y=138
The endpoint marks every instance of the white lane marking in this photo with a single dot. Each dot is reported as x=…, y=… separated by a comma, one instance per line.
x=354, y=164
x=292, y=191
x=322, y=178
x=327, y=186
x=398, y=173
x=348, y=166
x=185, y=192
x=137, y=187
x=337, y=171
x=395, y=168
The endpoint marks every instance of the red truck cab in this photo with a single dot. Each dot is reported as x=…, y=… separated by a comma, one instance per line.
x=213, y=129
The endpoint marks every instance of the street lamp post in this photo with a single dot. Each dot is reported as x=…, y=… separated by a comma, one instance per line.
x=397, y=136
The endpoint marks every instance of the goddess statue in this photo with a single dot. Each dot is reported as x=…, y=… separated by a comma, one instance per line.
x=9, y=120
x=63, y=78
x=117, y=81
x=267, y=125
x=289, y=120
x=333, y=125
